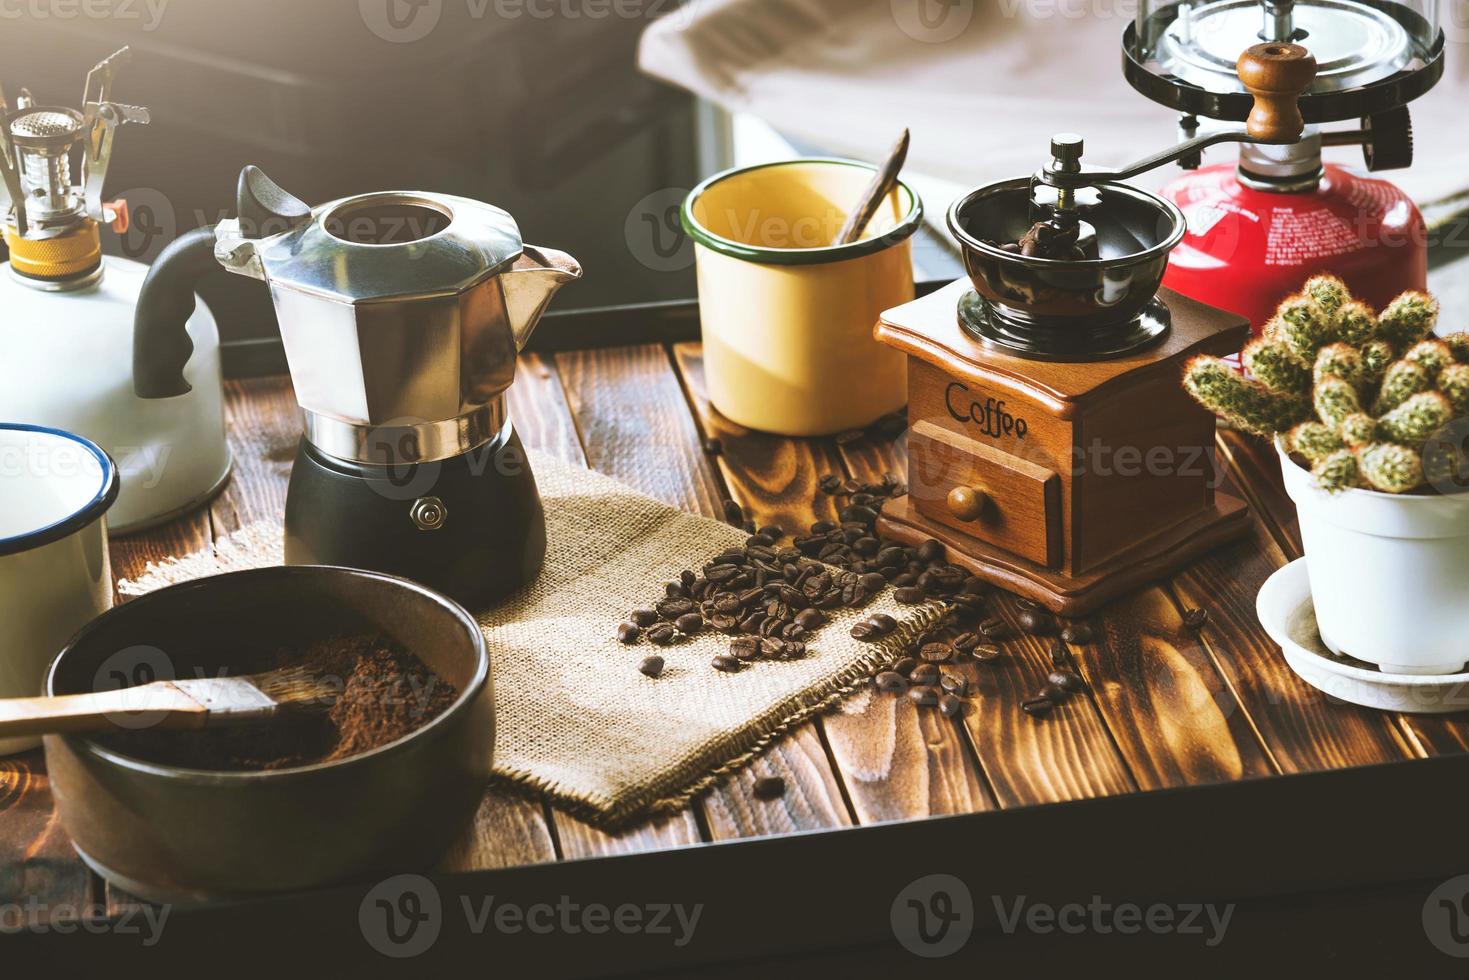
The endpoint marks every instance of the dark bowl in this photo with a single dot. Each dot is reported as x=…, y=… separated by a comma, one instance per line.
x=186, y=836
x=1135, y=232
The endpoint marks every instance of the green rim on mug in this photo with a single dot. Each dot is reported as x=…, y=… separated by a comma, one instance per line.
x=797, y=256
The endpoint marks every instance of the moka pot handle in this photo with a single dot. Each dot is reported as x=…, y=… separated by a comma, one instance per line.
x=161, y=343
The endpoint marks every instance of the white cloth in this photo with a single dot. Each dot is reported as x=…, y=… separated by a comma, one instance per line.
x=981, y=84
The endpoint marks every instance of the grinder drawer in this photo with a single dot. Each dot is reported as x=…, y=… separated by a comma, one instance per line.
x=988, y=494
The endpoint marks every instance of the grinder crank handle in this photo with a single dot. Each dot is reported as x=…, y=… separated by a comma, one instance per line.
x=1276, y=74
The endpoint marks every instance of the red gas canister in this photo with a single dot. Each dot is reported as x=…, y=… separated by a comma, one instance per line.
x=1247, y=248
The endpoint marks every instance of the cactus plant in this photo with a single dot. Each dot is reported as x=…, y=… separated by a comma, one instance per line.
x=1358, y=395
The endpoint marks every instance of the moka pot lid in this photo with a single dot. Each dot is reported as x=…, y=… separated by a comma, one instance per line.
x=397, y=245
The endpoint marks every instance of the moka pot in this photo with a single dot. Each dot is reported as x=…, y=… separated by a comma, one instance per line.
x=401, y=314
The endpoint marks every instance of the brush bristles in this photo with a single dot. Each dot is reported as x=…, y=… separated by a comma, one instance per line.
x=295, y=686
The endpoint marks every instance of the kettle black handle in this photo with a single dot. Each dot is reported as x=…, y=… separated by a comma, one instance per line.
x=161, y=344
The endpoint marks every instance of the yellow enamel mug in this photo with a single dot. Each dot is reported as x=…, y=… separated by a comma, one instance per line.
x=787, y=316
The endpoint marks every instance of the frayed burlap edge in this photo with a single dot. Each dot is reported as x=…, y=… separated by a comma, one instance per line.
x=748, y=746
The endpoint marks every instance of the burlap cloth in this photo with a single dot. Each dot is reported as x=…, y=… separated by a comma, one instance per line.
x=577, y=721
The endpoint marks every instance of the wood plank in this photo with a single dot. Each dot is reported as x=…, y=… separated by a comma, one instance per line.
x=1257, y=467
x=895, y=761
x=539, y=410
x=37, y=863
x=1301, y=728
x=636, y=425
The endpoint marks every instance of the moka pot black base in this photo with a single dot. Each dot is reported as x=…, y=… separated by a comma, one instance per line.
x=471, y=526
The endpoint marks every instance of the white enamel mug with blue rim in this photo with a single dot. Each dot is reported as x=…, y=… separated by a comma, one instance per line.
x=55, y=576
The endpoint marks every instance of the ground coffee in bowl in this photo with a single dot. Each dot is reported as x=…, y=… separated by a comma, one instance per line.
x=383, y=693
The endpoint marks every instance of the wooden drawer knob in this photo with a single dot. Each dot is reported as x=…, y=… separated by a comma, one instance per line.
x=967, y=503
x=1276, y=74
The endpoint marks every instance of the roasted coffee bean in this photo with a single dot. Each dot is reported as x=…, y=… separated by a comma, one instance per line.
x=865, y=499
x=663, y=635
x=993, y=628
x=850, y=487
x=985, y=652
x=883, y=622
x=1035, y=622
x=1067, y=680
x=769, y=788
x=1196, y=619
x=628, y=633
x=733, y=513
x=905, y=666
x=713, y=447
x=1060, y=654
x=891, y=682
x=745, y=647
x=1054, y=692
x=1078, y=633
x=936, y=653
x=721, y=573
x=866, y=632
x=924, y=674
x=794, y=631
x=751, y=623
x=891, y=557
x=690, y=623
x=924, y=696
x=946, y=581
x=643, y=617
x=973, y=586
x=725, y=663
x=956, y=684
x=951, y=706
x=909, y=595
x=727, y=604
x=1037, y=706
x=873, y=582
x=671, y=609
x=723, y=623
x=792, y=650
x=931, y=551
x=867, y=547
x=675, y=590
x=811, y=619
x=773, y=531
x=651, y=666
x=967, y=603
x=858, y=514
x=965, y=642
x=759, y=542
x=830, y=483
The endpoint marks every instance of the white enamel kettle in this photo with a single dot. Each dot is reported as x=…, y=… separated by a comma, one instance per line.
x=66, y=313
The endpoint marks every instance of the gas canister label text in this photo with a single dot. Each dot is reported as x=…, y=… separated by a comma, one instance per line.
x=990, y=415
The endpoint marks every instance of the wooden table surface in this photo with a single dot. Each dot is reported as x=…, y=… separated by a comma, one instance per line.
x=1165, y=707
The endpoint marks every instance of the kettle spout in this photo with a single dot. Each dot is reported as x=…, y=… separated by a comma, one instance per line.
x=530, y=284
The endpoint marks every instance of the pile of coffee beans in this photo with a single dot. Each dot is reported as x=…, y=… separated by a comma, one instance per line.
x=771, y=597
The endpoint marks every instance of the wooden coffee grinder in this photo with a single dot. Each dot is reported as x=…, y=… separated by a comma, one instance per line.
x=1052, y=447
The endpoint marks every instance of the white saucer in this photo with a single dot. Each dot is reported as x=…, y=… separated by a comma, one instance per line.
x=1285, y=610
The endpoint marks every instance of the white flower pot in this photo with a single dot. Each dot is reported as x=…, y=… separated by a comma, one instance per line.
x=1389, y=573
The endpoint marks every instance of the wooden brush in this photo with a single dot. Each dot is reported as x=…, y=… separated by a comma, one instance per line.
x=182, y=704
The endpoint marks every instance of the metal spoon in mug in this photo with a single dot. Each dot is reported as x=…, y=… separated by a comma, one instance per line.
x=180, y=704
x=882, y=185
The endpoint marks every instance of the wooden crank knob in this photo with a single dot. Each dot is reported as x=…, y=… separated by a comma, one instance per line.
x=967, y=503
x=1276, y=74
